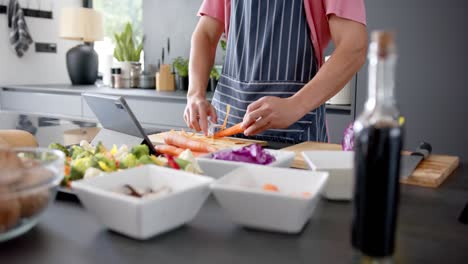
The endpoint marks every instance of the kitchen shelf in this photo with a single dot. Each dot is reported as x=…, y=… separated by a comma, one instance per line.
x=30, y=12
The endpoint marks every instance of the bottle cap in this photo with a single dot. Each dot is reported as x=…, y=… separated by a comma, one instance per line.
x=385, y=41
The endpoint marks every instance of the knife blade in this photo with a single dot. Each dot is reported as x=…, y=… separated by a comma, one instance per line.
x=410, y=162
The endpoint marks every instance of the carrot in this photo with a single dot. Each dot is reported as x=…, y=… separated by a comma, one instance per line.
x=180, y=141
x=168, y=149
x=236, y=129
x=67, y=170
x=198, y=154
x=270, y=187
x=228, y=109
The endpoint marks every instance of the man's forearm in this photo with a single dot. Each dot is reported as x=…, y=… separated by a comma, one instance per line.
x=202, y=55
x=350, y=39
x=330, y=79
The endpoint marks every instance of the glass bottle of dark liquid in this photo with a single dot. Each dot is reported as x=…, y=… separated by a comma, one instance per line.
x=378, y=142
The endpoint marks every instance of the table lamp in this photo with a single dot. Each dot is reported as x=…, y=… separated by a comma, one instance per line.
x=83, y=24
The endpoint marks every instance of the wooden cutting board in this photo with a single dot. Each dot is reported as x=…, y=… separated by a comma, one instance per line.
x=219, y=143
x=431, y=172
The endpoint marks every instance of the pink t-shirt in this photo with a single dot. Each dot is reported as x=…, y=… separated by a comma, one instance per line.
x=317, y=12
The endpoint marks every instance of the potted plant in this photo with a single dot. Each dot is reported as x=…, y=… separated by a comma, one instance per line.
x=181, y=66
x=127, y=49
x=214, y=77
x=215, y=73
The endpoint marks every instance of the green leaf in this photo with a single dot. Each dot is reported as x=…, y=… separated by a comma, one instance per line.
x=181, y=66
x=138, y=51
x=126, y=48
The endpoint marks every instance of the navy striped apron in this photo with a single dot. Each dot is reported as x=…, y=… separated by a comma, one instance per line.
x=269, y=53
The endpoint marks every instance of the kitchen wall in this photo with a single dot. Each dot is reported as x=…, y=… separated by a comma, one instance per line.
x=432, y=79
x=35, y=68
x=174, y=19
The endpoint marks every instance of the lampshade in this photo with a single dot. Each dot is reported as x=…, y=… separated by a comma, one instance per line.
x=78, y=23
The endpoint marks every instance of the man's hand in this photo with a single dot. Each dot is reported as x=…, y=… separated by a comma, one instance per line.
x=205, y=39
x=270, y=112
x=197, y=112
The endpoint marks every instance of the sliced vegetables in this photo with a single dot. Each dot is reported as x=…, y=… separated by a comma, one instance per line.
x=228, y=109
x=184, y=142
x=86, y=161
x=251, y=154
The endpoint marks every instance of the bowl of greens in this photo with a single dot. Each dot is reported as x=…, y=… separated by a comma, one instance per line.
x=85, y=161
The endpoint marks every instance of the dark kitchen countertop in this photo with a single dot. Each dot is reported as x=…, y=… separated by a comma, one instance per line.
x=126, y=92
x=80, y=89
x=429, y=232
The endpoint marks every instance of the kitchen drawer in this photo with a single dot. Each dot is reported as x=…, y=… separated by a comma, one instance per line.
x=157, y=113
x=41, y=103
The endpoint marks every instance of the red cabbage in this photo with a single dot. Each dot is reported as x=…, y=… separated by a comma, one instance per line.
x=250, y=154
x=348, y=138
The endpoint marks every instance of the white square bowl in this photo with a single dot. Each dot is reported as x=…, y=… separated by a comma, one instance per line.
x=283, y=158
x=241, y=195
x=218, y=168
x=142, y=218
x=339, y=165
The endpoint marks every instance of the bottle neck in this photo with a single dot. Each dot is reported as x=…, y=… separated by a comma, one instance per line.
x=381, y=84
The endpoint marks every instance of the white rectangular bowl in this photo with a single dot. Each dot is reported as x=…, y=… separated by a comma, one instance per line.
x=339, y=165
x=216, y=169
x=283, y=158
x=241, y=196
x=142, y=218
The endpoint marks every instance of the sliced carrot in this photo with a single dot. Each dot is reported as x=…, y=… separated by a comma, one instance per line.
x=236, y=129
x=198, y=154
x=67, y=170
x=167, y=149
x=228, y=109
x=270, y=187
x=180, y=141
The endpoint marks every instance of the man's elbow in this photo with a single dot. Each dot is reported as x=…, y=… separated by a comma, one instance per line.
x=354, y=45
x=358, y=49
x=363, y=52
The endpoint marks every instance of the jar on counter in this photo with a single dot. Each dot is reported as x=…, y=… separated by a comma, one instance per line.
x=135, y=74
x=147, y=81
x=116, y=78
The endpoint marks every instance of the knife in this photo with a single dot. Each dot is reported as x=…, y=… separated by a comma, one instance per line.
x=410, y=162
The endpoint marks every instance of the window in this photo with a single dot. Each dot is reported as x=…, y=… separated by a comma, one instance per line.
x=116, y=14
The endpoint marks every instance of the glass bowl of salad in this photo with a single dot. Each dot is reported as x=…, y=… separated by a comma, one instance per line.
x=29, y=178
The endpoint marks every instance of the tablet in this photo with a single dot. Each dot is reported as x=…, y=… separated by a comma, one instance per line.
x=120, y=125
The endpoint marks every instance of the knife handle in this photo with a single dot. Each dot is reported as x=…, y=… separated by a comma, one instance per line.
x=424, y=150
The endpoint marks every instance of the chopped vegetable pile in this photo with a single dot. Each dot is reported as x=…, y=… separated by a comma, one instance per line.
x=251, y=154
x=85, y=161
x=176, y=143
